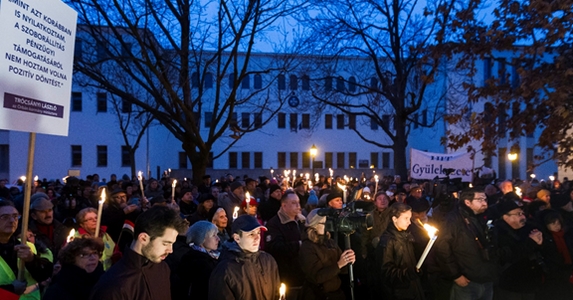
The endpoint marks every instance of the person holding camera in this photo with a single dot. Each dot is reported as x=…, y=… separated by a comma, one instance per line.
x=321, y=261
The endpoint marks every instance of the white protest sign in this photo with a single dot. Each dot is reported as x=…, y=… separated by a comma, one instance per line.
x=428, y=165
x=36, y=65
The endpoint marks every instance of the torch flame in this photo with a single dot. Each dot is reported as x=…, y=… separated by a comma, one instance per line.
x=282, y=290
x=174, y=183
x=236, y=212
x=518, y=191
x=431, y=230
x=71, y=235
x=139, y=175
x=36, y=178
x=341, y=186
x=376, y=178
x=102, y=196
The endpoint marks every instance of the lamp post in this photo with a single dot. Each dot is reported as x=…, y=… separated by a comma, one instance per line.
x=313, y=151
x=512, y=156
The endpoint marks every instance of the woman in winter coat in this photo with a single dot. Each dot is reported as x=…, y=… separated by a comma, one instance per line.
x=321, y=261
x=400, y=279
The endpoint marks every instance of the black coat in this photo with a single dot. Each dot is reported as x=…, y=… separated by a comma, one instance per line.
x=194, y=271
x=319, y=264
x=72, y=283
x=398, y=262
x=133, y=277
x=114, y=217
x=269, y=208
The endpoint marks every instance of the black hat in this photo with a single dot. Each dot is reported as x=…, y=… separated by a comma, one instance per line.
x=246, y=223
x=117, y=191
x=206, y=196
x=511, y=196
x=420, y=205
x=559, y=200
x=504, y=207
x=157, y=199
x=333, y=195
x=235, y=185
x=248, y=180
x=185, y=191
x=298, y=183
x=206, y=176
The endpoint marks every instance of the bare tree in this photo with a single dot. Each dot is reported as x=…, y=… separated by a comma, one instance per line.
x=191, y=58
x=390, y=51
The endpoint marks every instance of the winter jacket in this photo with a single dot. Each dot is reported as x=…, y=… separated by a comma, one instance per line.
x=396, y=258
x=114, y=217
x=244, y=275
x=73, y=283
x=463, y=247
x=194, y=271
x=133, y=277
x=269, y=208
x=58, y=238
x=282, y=241
x=108, y=244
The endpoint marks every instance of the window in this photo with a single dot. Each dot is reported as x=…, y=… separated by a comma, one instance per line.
x=340, y=84
x=76, y=101
x=425, y=117
x=246, y=160
x=282, y=120
x=232, y=160
x=373, y=123
x=102, y=156
x=258, y=120
x=306, y=160
x=352, y=160
x=293, y=82
x=352, y=84
x=246, y=82
x=515, y=81
x=208, y=119
x=515, y=165
x=125, y=156
x=328, y=84
x=340, y=160
x=182, y=160
x=101, y=102
x=125, y=106
x=328, y=159
x=352, y=121
x=293, y=122
x=305, y=82
x=245, y=120
x=282, y=82
x=415, y=120
x=208, y=80
x=76, y=156
x=231, y=81
x=374, y=160
x=78, y=51
x=501, y=163
x=258, y=81
x=211, y=160
x=385, y=160
x=501, y=69
x=339, y=121
x=374, y=83
x=328, y=121
x=4, y=158
x=281, y=159
x=195, y=80
x=294, y=160
x=486, y=69
x=305, y=121
x=258, y=160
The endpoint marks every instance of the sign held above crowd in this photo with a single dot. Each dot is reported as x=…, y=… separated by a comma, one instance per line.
x=428, y=165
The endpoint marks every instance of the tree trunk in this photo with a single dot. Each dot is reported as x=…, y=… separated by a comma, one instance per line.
x=198, y=159
x=399, y=148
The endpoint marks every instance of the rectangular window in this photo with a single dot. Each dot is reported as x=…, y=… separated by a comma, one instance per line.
x=208, y=80
x=515, y=80
x=101, y=102
x=258, y=160
x=501, y=69
x=282, y=82
x=282, y=120
x=293, y=82
x=293, y=122
x=76, y=155
x=425, y=117
x=281, y=160
x=234, y=120
x=501, y=163
x=294, y=160
x=328, y=121
x=374, y=160
x=76, y=101
x=305, y=82
x=352, y=160
x=486, y=69
x=386, y=121
x=515, y=170
x=232, y=160
x=125, y=106
x=328, y=84
x=245, y=120
x=340, y=163
x=258, y=81
x=352, y=121
x=373, y=124
x=208, y=119
x=182, y=160
x=339, y=121
x=306, y=160
x=258, y=120
x=5, y=158
x=305, y=121
x=102, y=156
x=246, y=160
x=415, y=120
x=211, y=160
x=328, y=159
x=385, y=160
x=246, y=82
x=125, y=157
x=78, y=49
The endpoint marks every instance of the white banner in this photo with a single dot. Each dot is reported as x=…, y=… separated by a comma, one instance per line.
x=428, y=165
x=36, y=66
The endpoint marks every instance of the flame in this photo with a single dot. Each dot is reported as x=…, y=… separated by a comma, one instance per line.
x=341, y=186
x=518, y=191
x=139, y=175
x=247, y=196
x=102, y=196
x=236, y=212
x=36, y=178
x=431, y=230
x=23, y=178
x=174, y=183
x=71, y=235
x=282, y=290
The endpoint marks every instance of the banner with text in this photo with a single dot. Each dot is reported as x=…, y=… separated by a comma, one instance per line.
x=36, y=65
x=428, y=165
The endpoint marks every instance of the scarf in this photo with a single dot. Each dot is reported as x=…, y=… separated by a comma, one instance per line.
x=214, y=254
x=47, y=230
x=559, y=239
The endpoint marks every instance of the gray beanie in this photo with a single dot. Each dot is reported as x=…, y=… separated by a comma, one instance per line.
x=313, y=219
x=198, y=231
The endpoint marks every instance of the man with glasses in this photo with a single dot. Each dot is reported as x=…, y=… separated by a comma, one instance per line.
x=464, y=249
x=37, y=269
x=116, y=212
x=47, y=229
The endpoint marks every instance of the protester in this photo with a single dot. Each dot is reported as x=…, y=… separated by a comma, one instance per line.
x=233, y=199
x=244, y=272
x=42, y=223
x=80, y=270
x=204, y=209
x=221, y=221
x=271, y=206
x=117, y=212
x=141, y=273
x=87, y=219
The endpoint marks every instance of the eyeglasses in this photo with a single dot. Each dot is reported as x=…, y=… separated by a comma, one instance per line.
x=517, y=214
x=480, y=199
x=7, y=217
x=90, y=254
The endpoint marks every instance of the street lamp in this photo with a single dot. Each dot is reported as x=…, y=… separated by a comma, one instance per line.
x=512, y=156
x=313, y=151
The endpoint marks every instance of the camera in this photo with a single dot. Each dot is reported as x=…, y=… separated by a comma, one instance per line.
x=356, y=215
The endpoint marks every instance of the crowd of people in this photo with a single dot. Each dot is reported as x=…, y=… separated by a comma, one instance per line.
x=241, y=238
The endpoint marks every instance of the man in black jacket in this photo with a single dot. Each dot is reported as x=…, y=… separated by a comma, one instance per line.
x=141, y=273
x=464, y=249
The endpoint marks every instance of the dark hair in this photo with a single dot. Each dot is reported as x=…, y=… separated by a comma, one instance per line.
x=155, y=220
x=67, y=255
x=398, y=208
x=550, y=216
x=6, y=202
x=469, y=194
x=286, y=194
